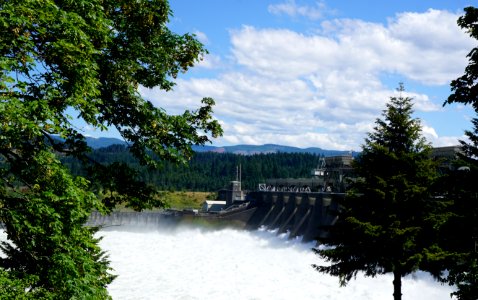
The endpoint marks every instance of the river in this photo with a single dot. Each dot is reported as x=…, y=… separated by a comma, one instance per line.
x=194, y=263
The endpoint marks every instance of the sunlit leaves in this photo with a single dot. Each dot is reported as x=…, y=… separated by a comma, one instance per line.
x=89, y=57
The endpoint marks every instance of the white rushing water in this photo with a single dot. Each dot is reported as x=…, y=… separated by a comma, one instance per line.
x=190, y=263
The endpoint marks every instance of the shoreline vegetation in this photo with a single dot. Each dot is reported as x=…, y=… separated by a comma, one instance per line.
x=179, y=200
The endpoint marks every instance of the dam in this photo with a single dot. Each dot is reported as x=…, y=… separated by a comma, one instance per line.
x=302, y=214
x=301, y=207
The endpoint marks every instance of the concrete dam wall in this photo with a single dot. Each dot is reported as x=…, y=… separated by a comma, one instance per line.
x=145, y=219
x=299, y=214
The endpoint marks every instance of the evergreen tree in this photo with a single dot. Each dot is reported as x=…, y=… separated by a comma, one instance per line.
x=206, y=171
x=387, y=221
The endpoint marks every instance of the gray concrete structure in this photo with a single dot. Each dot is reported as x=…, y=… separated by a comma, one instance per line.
x=233, y=195
x=305, y=215
x=301, y=214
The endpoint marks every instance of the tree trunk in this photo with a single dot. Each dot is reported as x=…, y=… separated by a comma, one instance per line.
x=397, y=285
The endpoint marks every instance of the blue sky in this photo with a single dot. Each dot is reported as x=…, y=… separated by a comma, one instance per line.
x=318, y=73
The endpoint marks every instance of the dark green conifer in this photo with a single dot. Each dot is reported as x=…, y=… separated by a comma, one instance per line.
x=388, y=219
x=461, y=235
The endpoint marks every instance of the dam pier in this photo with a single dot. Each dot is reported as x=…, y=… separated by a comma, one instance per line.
x=304, y=214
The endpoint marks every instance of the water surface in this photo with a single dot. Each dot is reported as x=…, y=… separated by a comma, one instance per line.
x=193, y=263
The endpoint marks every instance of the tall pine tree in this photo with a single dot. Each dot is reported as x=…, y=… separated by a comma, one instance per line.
x=387, y=221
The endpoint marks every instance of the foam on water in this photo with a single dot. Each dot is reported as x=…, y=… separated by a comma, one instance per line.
x=191, y=263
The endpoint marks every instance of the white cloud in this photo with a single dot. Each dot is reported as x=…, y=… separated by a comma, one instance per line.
x=324, y=89
x=428, y=48
x=282, y=52
x=291, y=8
x=201, y=36
x=210, y=61
x=429, y=133
x=443, y=141
x=439, y=141
x=258, y=110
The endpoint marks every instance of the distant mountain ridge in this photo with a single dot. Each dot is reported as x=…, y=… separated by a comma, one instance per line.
x=268, y=148
x=102, y=142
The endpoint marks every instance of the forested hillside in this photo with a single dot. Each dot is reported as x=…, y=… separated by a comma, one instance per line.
x=209, y=171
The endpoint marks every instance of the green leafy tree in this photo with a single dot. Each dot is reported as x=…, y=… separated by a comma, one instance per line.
x=388, y=219
x=463, y=190
x=66, y=59
x=465, y=88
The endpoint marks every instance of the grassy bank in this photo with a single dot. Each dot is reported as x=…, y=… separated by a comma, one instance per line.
x=181, y=200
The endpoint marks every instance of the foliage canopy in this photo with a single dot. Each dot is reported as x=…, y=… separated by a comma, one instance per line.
x=465, y=88
x=66, y=59
x=464, y=267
